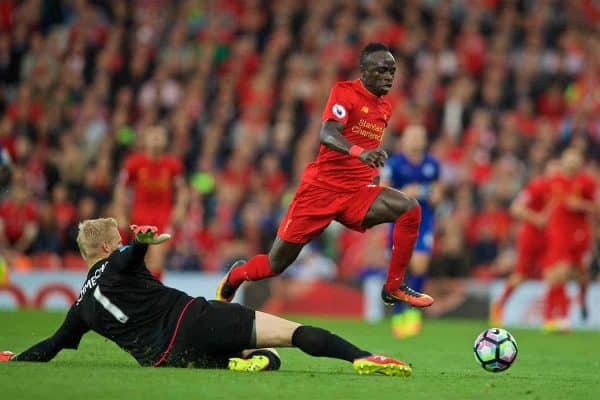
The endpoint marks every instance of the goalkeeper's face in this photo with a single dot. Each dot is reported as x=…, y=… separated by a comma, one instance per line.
x=114, y=242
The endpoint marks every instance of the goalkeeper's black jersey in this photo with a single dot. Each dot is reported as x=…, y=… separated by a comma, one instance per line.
x=123, y=302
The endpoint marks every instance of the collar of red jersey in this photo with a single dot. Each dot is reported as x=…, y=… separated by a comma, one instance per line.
x=361, y=88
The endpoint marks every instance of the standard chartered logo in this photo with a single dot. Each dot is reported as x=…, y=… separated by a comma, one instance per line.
x=368, y=129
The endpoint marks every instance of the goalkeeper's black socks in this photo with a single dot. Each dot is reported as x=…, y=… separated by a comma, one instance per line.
x=321, y=343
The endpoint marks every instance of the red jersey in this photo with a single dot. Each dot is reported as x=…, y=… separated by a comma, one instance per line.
x=560, y=189
x=65, y=214
x=534, y=196
x=152, y=180
x=365, y=116
x=16, y=217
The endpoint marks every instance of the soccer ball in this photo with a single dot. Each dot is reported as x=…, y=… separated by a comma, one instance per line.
x=495, y=349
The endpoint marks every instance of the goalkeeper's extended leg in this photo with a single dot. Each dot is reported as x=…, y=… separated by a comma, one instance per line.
x=272, y=331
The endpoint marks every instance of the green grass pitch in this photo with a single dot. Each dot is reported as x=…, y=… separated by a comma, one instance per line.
x=548, y=367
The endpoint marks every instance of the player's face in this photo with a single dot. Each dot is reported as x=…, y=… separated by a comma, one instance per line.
x=378, y=72
x=552, y=167
x=156, y=139
x=571, y=161
x=115, y=242
x=414, y=140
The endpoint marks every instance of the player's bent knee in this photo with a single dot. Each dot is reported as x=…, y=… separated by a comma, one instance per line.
x=403, y=205
x=411, y=203
x=557, y=274
x=516, y=279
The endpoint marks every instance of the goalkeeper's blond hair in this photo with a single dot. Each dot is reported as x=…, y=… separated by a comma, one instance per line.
x=93, y=233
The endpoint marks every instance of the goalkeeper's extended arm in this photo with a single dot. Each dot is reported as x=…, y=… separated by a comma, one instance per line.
x=130, y=257
x=67, y=336
x=146, y=234
x=44, y=351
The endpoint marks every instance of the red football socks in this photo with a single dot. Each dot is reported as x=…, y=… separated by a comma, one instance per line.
x=406, y=231
x=257, y=268
x=556, y=302
x=508, y=289
x=550, y=302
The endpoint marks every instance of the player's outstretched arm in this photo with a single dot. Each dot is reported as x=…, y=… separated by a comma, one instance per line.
x=44, y=351
x=332, y=137
x=130, y=257
x=67, y=336
x=146, y=234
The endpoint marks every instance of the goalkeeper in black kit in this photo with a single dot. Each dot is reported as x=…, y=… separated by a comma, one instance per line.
x=161, y=326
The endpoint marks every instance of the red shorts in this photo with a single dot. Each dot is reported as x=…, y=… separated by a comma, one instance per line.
x=572, y=246
x=530, y=255
x=145, y=216
x=313, y=208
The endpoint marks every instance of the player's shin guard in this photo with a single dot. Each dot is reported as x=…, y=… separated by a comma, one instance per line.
x=406, y=231
x=318, y=342
x=257, y=268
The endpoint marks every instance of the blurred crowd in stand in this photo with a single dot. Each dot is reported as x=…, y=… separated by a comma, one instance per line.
x=239, y=86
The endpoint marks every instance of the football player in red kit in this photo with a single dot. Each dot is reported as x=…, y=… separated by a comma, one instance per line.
x=530, y=206
x=574, y=200
x=342, y=184
x=156, y=178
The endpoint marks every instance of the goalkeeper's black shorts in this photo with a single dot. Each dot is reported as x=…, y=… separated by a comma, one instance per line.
x=209, y=333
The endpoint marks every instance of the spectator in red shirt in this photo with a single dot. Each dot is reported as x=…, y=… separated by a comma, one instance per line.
x=63, y=209
x=86, y=209
x=489, y=230
x=25, y=109
x=18, y=220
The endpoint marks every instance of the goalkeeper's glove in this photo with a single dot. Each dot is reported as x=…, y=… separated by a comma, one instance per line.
x=146, y=234
x=6, y=356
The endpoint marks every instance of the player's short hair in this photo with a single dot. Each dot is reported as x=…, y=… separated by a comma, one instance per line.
x=92, y=233
x=369, y=49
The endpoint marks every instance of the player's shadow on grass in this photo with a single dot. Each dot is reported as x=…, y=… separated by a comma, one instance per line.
x=315, y=374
